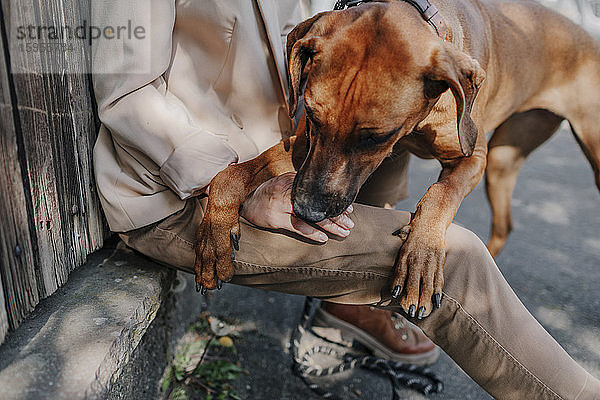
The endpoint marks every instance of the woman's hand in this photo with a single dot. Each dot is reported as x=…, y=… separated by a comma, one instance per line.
x=270, y=206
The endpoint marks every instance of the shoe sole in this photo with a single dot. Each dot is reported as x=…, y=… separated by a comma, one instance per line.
x=351, y=332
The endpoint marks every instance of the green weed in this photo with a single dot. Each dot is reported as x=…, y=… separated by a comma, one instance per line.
x=202, y=367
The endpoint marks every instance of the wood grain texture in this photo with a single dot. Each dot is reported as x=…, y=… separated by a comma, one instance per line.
x=55, y=126
x=19, y=292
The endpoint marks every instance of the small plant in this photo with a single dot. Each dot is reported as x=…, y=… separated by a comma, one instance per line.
x=218, y=376
x=202, y=367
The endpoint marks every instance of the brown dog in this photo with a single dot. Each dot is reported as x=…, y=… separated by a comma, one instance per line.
x=380, y=78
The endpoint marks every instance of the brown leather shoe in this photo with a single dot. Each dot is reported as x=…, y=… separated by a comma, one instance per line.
x=387, y=335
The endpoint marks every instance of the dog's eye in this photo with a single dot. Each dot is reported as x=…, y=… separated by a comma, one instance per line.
x=372, y=137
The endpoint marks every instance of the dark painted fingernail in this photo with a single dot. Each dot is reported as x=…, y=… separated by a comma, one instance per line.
x=412, y=311
x=219, y=284
x=397, y=232
x=198, y=287
x=204, y=291
x=396, y=291
x=437, y=300
x=236, y=241
x=421, y=312
x=232, y=255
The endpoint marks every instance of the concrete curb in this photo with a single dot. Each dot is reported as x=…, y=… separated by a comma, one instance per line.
x=104, y=334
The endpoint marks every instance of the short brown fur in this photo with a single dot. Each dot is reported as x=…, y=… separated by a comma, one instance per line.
x=378, y=79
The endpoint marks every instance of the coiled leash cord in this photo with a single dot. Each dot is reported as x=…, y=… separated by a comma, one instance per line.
x=401, y=375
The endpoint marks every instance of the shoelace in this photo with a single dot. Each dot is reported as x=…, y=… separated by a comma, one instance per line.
x=401, y=375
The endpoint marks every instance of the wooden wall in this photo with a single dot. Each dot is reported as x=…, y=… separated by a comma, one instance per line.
x=50, y=217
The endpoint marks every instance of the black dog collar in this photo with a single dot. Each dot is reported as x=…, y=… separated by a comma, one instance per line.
x=428, y=11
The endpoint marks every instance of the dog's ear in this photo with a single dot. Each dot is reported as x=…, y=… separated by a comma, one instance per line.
x=456, y=70
x=299, y=49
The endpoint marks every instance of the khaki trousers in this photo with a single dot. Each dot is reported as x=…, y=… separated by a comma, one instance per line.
x=482, y=324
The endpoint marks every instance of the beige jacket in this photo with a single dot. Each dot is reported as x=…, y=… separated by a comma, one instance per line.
x=201, y=88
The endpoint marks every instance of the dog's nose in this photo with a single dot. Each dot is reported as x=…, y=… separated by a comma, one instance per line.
x=309, y=208
x=308, y=213
x=313, y=199
x=316, y=208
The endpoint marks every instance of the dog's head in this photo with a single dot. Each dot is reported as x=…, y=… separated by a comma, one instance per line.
x=371, y=74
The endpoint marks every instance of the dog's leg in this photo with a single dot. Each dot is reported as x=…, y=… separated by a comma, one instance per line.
x=587, y=134
x=510, y=144
x=420, y=265
x=218, y=234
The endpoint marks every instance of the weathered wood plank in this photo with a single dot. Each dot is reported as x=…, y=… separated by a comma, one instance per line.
x=58, y=127
x=3, y=316
x=57, y=117
x=18, y=289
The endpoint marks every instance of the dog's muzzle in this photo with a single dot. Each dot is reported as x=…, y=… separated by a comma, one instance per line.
x=314, y=206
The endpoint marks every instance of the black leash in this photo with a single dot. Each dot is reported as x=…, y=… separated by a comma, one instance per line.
x=401, y=375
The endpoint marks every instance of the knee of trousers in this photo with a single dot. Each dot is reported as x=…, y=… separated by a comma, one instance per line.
x=469, y=265
x=462, y=240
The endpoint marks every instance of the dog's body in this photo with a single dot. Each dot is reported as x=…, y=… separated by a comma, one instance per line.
x=377, y=79
x=540, y=69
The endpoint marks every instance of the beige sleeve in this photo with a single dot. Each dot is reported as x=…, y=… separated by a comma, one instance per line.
x=133, y=100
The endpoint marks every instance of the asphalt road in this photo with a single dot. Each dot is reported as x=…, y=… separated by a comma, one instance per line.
x=552, y=260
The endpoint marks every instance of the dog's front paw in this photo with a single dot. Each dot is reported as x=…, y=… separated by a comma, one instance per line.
x=419, y=270
x=215, y=250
